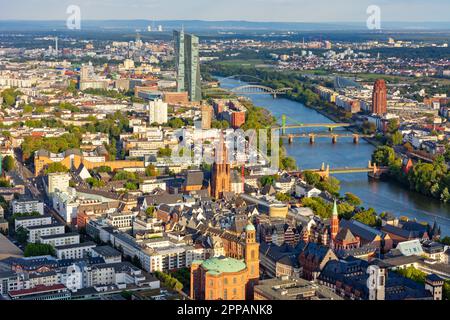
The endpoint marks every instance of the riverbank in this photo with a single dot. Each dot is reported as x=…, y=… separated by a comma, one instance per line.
x=381, y=195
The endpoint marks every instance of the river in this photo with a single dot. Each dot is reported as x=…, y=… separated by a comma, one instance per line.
x=380, y=195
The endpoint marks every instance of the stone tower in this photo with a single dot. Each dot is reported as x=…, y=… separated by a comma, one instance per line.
x=334, y=222
x=221, y=172
x=251, y=259
x=379, y=97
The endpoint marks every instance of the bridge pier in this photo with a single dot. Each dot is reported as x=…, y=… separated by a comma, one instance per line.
x=334, y=139
x=291, y=139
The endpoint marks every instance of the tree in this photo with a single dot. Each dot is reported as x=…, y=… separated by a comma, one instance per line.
x=151, y=171
x=150, y=211
x=164, y=152
x=8, y=163
x=38, y=249
x=95, y=183
x=353, y=199
x=21, y=235
x=56, y=167
x=267, y=180
x=288, y=163
x=396, y=138
x=368, y=217
x=383, y=156
x=283, y=197
x=311, y=178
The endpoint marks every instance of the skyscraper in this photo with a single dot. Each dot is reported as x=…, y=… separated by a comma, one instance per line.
x=158, y=112
x=188, y=64
x=379, y=97
x=207, y=113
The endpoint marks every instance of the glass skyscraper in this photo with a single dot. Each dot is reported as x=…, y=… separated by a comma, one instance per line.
x=188, y=64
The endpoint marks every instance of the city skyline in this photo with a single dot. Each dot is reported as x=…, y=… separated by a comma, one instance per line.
x=250, y=10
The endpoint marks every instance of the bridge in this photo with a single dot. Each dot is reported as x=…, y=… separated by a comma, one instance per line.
x=372, y=170
x=259, y=89
x=240, y=77
x=334, y=137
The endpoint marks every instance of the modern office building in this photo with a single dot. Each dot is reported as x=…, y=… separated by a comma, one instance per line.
x=188, y=64
x=158, y=112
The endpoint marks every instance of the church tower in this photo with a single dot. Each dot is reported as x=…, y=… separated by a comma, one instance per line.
x=334, y=222
x=251, y=259
x=221, y=171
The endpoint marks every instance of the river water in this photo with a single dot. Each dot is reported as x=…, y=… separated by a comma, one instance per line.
x=380, y=195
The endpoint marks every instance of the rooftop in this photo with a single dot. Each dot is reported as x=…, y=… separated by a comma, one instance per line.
x=223, y=265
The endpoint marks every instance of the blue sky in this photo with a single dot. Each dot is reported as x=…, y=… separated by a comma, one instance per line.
x=252, y=10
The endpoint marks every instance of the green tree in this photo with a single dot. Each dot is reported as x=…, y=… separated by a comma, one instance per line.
x=383, y=156
x=311, y=178
x=151, y=171
x=283, y=197
x=352, y=199
x=164, y=152
x=8, y=163
x=21, y=235
x=56, y=167
x=38, y=249
x=267, y=180
x=368, y=217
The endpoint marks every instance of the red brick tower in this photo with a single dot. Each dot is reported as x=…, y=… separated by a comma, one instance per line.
x=221, y=171
x=379, y=97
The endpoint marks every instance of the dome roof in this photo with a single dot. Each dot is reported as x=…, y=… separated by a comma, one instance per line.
x=250, y=227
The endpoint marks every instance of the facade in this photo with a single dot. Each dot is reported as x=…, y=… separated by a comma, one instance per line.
x=36, y=232
x=227, y=278
x=75, y=251
x=188, y=64
x=158, y=112
x=72, y=159
x=379, y=98
x=58, y=182
x=26, y=222
x=207, y=113
x=27, y=206
x=61, y=239
x=221, y=173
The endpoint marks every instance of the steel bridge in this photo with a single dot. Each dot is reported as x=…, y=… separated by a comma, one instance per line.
x=334, y=136
x=259, y=89
x=372, y=170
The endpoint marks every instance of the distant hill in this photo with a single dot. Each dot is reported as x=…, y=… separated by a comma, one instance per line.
x=214, y=26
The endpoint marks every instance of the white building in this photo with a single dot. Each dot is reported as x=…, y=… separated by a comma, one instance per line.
x=75, y=251
x=158, y=112
x=27, y=206
x=26, y=222
x=148, y=186
x=36, y=232
x=58, y=182
x=122, y=221
x=66, y=205
x=59, y=240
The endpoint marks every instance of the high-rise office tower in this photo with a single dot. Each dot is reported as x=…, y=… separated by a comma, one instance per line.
x=379, y=97
x=188, y=64
x=207, y=112
x=158, y=112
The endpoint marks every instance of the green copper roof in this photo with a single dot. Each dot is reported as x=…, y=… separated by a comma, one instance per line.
x=335, y=210
x=250, y=227
x=223, y=265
